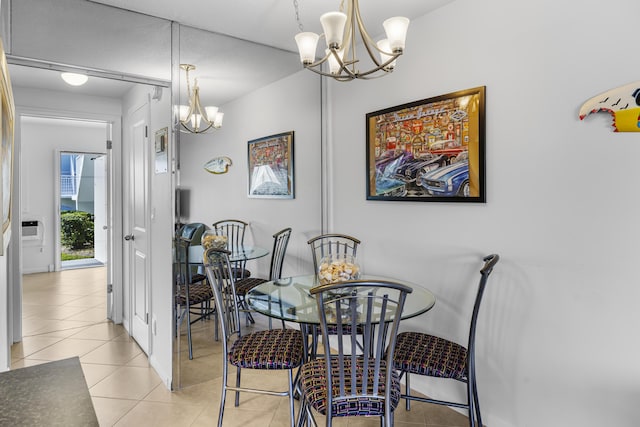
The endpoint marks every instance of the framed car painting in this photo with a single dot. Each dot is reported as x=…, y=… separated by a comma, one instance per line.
x=271, y=166
x=432, y=150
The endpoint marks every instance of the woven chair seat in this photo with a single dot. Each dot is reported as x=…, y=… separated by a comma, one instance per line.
x=270, y=349
x=313, y=381
x=424, y=354
x=243, y=286
x=198, y=278
x=239, y=273
x=198, y=293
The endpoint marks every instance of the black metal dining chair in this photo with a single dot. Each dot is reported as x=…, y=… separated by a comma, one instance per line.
x=346, y=381
x=193, y=293
x=234, y=230
x=243, y=286
x=270, y=349
x=429, y=355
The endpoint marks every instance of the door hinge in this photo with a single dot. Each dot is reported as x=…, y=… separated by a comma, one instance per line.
x=109, y=145
x=146, y=131
x=109, y=288
x=146, y=318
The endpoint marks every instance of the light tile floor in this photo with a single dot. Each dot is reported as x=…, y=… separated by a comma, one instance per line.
x=64, y=315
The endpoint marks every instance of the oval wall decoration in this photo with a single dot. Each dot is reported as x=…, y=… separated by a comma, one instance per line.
x=218, y=165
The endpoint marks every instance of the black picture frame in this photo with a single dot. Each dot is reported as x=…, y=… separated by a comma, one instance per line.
x=432, y=150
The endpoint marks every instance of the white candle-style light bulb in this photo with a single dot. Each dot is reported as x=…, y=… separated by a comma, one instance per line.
x=386, y=54
x=184, y=112
x=334, y=65
x=307, y=43
x=217, y=122
x=211, y=113
x=333, y=26
x=195, y=121
x=396, y=30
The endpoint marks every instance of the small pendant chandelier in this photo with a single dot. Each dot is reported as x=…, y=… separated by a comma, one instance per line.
x=340, y=31
x=193, y=117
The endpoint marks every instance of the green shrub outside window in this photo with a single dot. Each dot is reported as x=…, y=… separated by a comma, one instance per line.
x=76, y=229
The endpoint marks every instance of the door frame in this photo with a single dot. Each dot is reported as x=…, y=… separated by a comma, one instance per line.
x=114, y=215
x=58, y=225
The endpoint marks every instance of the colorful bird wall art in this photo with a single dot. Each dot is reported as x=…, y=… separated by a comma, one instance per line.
x=623, y=103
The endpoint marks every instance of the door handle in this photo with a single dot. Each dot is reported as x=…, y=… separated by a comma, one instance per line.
x=129, y=237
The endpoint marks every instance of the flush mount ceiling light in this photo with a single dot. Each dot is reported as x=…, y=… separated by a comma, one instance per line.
x=341, y=31
x=193, y=117
x=74, y=79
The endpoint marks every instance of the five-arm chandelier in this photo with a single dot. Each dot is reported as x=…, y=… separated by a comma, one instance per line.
x=193, y=117
x=340, y=33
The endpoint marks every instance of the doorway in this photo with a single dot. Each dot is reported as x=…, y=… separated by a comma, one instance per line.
x=65, y=166
x=83, y=210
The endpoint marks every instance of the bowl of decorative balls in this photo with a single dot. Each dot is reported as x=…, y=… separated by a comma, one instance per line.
x=211, y=240
x=338, y=268
x=334, y=269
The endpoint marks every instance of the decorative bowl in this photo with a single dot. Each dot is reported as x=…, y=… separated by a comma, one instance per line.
x=211, y=240
x=338, y=268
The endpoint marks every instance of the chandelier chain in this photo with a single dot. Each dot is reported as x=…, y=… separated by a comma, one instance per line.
x=297, y=9
x=188, y=84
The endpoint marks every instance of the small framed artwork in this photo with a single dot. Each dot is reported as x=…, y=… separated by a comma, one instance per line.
x=271, y=166
x=432, y=150
x=161, y=150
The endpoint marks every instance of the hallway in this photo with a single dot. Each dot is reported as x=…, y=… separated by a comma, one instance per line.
x=64, y=315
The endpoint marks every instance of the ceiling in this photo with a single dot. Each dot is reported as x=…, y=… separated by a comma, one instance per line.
x=264, y=22
x=44, y=79
x=270, y=22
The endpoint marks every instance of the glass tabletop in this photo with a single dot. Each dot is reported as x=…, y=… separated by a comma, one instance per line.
x=242, y=253
x=290, y=299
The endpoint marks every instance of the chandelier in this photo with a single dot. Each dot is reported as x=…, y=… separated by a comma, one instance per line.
x=193, y=117
x=340, y=33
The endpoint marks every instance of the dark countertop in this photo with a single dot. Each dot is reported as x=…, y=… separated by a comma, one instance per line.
x=50, y=394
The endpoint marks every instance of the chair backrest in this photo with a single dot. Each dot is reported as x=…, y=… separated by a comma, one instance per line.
x=234, y=230
x=218, y=269
x=280, y=243
x=368, y=310
x=183, y=273
x=192, y=231
x=489, y=262
x=331, y=244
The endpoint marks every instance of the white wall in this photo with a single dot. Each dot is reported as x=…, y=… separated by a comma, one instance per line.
x=558, y=328
x=293, y=104
x=42, y=140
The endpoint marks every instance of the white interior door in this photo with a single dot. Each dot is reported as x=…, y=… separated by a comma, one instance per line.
x=136, y=229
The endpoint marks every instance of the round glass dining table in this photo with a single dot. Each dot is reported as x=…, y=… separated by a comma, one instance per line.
x=290, y=299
